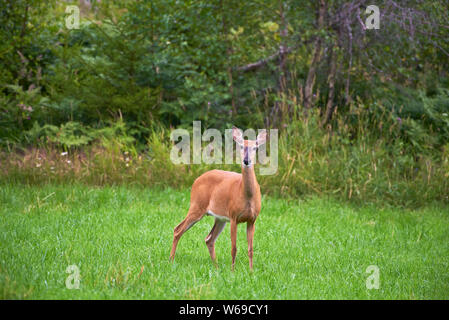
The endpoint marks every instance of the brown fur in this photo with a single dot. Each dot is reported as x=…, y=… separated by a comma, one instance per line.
x=228, y=196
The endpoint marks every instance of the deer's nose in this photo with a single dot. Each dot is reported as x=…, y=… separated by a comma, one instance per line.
x=245, y=162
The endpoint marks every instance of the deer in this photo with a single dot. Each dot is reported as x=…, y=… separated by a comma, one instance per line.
x=228, y=197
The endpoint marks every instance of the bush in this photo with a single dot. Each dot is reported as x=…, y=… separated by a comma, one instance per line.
x=345, y=162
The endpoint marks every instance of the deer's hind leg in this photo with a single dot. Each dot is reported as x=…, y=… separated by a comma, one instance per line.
x=212, y=237
x=193, y=216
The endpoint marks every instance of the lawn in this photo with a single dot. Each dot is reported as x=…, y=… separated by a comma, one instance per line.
x=119, y=238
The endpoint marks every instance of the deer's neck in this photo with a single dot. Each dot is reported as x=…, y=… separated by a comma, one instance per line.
x=249, y=182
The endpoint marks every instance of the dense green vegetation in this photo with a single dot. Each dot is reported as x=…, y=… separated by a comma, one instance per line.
x=85, y=120
x=362, y=113
x=120, y=239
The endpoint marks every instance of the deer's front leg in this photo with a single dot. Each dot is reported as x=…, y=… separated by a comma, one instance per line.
x=233, y=241
x=250, y=227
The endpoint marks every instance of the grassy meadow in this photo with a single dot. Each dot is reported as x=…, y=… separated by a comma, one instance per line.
x=358, y=120
x=120, y=238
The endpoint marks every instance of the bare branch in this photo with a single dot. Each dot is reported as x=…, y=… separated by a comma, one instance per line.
x=263, y=62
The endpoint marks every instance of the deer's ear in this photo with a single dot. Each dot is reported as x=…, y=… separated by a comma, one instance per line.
x=262, y=137
x=237, y=135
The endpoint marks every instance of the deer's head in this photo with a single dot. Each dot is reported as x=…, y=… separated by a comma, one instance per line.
x=248, y=148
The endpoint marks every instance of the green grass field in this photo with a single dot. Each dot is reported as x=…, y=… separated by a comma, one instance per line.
x=120, y=238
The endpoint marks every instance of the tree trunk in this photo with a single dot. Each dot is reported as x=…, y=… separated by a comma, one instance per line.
x=331, y=79
x=308, y=89
x=348, y=77
x=279, y=110
x=228, y=57
x=282, y=50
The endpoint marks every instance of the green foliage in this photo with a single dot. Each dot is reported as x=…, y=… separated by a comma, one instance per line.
x=23, y=51
x=423, y=118
x=19, y=109
x=73, y=134
x=345, y=161
x=136, y=69
x=70, y=134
